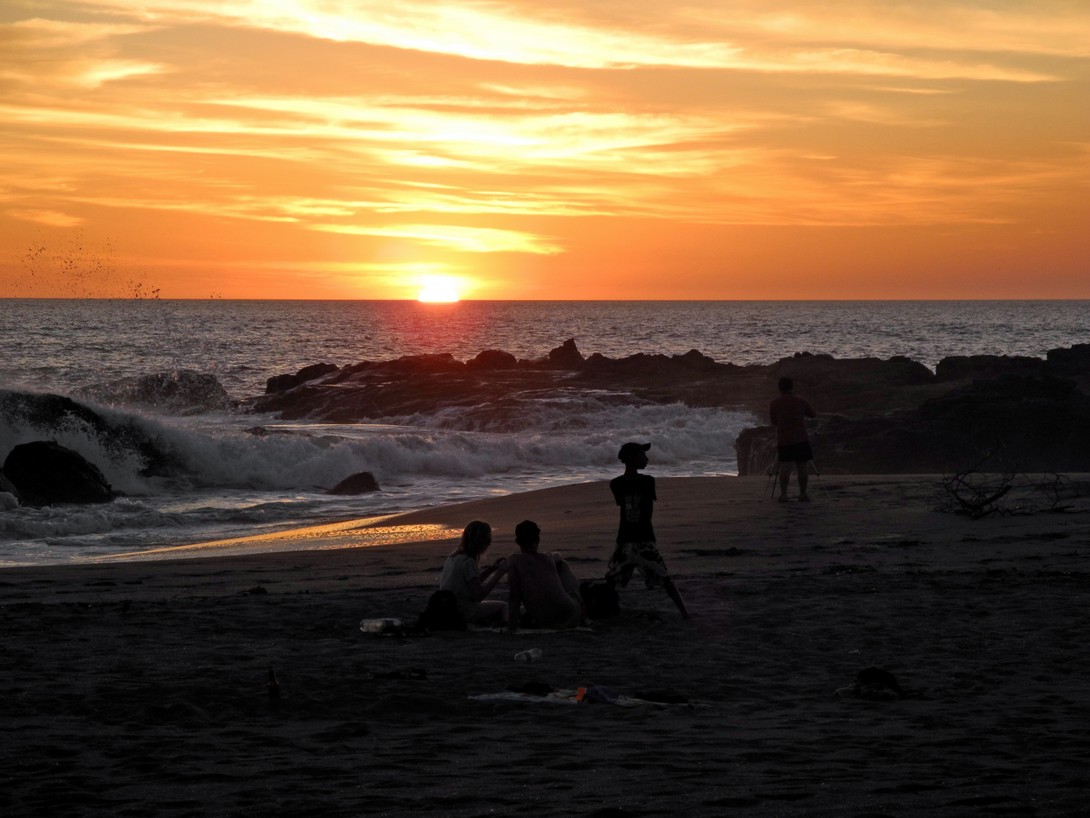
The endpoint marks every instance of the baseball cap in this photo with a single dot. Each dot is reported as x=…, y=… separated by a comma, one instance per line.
x=630, y=448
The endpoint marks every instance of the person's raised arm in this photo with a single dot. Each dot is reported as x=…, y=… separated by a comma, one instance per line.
x=490, y=576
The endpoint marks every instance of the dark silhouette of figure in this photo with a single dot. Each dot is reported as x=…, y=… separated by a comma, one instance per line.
x=636, y=546
x=544, y=583
x=788, y=413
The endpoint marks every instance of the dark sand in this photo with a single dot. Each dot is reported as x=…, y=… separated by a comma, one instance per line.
x=138, y=688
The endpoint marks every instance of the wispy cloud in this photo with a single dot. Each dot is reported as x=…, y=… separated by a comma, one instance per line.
x=464, y=239
x=47, y=217
x=41, y=53
x=456, y=130
x=873, y=38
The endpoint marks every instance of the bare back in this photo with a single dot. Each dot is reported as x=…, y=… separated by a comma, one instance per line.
x=535, y=580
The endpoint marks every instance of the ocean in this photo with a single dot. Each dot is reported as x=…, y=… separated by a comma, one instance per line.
x=233, y=483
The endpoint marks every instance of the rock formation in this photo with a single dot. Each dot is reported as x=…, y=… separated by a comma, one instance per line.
x=1011, y=423
x=282, y=383
x=47, y=415
x=360, y=483
x=47, y=473
x=876, y=416
x=9, y=488
x=177, y=392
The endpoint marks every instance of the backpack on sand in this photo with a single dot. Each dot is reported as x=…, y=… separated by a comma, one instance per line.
x=599, y=598
x=442, y=613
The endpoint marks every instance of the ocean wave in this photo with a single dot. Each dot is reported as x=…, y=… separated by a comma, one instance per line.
x=551, y=431
x=152, y=522
x=192, y=479
x=63, y=525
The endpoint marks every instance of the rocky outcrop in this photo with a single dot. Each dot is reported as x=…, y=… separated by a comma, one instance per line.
x=47, y=473
x=406, y=386
x=983, y=367
x=360, y=483
x=755, y=450
x=407, y=366
x=852, y=384
x=566, y=356
x=47, y=415
x=9, y=488
x=1072, y=362
x=492, y=359
x=877, y=416
x=180, y=391
x=421, y=383
x=1016, y=423
x=282, y=383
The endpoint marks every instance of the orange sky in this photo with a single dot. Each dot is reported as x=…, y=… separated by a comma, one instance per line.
x=541, y=150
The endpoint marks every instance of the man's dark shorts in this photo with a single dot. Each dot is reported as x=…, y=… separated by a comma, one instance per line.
x=795, y=452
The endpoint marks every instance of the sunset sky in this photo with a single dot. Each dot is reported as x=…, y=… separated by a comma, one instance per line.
x=711, y=149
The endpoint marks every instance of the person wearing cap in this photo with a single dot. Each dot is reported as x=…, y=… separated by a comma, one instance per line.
x=543, y=583
x=636, y=547
x=788, y=414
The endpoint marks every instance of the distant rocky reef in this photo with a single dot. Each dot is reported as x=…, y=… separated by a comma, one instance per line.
x=876, y=416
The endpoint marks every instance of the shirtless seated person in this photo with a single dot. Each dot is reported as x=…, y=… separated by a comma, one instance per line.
x=543, y=583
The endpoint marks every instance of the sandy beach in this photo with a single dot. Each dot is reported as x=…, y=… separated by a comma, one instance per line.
x=138, y=687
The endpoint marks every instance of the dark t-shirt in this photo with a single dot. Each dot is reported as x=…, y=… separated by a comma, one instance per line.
x=788, y=414
x=636, y=497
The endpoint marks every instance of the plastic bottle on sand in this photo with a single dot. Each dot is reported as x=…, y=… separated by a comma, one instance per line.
x=531, y=655
x=380, y=625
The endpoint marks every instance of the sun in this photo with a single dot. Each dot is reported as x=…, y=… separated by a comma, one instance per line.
x=438, y=289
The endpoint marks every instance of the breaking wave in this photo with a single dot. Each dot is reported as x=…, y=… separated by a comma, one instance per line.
x=217, y=475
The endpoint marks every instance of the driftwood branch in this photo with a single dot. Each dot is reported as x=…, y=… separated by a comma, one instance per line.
x=978, y=494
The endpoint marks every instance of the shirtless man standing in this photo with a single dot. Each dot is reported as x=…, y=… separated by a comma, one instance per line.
x=788, y=413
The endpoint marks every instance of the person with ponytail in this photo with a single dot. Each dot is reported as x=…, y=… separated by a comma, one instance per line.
x=471, y=584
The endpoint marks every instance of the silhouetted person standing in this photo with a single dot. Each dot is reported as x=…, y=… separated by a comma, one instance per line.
x=788, y=413
x=636, y=547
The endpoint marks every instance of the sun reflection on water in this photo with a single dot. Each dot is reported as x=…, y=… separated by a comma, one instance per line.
x=363, y=533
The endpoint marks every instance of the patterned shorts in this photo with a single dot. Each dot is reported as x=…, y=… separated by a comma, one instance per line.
x=645, y=556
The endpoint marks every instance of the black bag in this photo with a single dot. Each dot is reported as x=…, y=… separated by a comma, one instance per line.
x=442, y=613
x=599, y=598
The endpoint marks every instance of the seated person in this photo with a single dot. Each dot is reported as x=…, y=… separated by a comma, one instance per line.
x=543, y=583
x=463, y=577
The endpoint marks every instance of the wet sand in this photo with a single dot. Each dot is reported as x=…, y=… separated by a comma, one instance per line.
x=138, y=687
